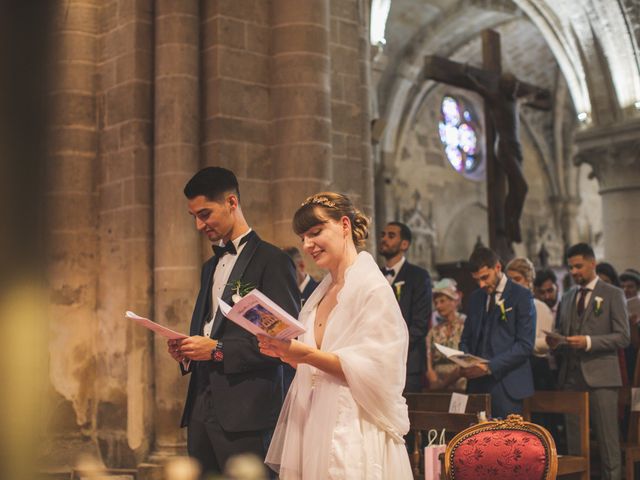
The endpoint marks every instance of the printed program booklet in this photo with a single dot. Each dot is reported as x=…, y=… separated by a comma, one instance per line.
x=258, y=314
x=459, y=357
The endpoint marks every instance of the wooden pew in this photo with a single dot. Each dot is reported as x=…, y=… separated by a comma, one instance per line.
x=439, y=402
x=431, y=411
x=631, y=447
x=575, y=403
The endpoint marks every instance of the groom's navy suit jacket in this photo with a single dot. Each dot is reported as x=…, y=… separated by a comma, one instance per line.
x=246, y=385
x=506, y=342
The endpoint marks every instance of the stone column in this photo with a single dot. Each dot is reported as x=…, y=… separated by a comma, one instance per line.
x=71, y=232
x=123, y=358
x=176, y=159
x=614, y=154
x=300, y=106
x=367, y=198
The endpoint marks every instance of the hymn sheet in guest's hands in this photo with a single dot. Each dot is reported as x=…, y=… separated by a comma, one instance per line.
x=561, y=339
x=465, y=360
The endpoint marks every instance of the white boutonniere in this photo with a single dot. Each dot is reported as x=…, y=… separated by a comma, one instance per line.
x=240, y=289
x=503, y=309
x=598, y=305
x=397, y=287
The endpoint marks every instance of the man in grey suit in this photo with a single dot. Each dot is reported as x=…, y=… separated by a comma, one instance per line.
x=593, y=317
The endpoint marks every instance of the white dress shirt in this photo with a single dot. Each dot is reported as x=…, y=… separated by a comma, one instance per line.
x=221, y=278
x=304, y=283
x=396, y=268
x=499, y=289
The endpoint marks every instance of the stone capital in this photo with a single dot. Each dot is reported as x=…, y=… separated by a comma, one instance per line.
x=613, y=152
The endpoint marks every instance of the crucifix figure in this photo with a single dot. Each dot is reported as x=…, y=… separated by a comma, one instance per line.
x=502, y=93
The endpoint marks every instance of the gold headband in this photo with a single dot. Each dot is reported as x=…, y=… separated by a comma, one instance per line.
x=322, y=200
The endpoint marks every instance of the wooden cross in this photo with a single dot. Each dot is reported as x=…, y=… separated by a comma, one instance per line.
x=501, y=93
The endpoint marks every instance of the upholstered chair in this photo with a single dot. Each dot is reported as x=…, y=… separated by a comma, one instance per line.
x=502, y=449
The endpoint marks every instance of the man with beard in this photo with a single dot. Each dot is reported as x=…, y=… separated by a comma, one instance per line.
x=592, y=316
x=500, y=328
x=545, y=288
x=412, y=287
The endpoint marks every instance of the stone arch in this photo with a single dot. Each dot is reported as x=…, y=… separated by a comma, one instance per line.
x=468, y=222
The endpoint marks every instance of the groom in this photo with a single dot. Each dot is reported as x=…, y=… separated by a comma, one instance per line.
x=235, y=392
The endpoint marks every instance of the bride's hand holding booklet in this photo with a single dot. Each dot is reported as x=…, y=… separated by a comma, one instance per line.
x=458, y=357
x=258, y=314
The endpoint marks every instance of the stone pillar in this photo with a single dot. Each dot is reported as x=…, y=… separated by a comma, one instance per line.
x=176, y=159
x=71, y=231
x=235, y=101
x=614, y=154
x=123, y=359
x=367, y=198
x=300, y=106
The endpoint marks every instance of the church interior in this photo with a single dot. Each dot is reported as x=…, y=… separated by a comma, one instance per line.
x=114, y=104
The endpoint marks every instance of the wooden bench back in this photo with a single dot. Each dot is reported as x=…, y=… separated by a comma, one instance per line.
x=430, y=411
x=439, y=402
x=570, y=403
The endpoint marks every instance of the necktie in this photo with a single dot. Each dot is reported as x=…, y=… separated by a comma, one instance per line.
x=492, y=301
x=581, y=301
x=388, y=272
x=229, y=247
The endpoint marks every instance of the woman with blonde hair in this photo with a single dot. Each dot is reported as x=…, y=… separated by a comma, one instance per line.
x=521, y=271
x=344, y=415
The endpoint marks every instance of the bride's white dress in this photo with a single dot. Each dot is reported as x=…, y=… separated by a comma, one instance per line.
x=331, y=429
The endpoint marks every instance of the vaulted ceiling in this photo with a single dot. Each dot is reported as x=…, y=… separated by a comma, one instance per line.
x=593, y=43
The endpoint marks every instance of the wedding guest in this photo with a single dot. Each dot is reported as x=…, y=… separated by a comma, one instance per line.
x=344, y=415
x=626, y=357
x=593, y=317
x=500, y=328
x=412, y=287
x=545, y=288
x=607, y=273
x=521, y=271
x=226, y=367
x=630, y=283
x=306, y=283
x=442, y=374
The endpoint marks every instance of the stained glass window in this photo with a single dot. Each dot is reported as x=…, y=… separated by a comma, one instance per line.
x=460, y=135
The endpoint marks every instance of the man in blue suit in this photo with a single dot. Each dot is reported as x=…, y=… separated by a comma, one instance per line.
x=500, y=327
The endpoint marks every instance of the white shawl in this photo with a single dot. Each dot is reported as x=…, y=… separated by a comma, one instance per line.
x=368, y=334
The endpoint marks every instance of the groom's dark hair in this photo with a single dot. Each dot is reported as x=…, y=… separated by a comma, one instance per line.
x=213, y=183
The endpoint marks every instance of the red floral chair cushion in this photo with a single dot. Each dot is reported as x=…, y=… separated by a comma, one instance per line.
x=500, y=454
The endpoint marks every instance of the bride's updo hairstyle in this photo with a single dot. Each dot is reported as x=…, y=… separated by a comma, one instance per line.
x=321, y=207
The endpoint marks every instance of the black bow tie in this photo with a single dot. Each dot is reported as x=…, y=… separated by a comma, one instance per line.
x=388, y=272
x=229, y=248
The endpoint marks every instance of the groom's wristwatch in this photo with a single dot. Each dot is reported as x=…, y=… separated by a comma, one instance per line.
x=217, y=354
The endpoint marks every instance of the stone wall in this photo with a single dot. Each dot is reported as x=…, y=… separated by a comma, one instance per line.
x=144, y=94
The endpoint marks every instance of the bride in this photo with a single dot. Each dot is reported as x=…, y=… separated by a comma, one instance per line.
x=344, y=416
